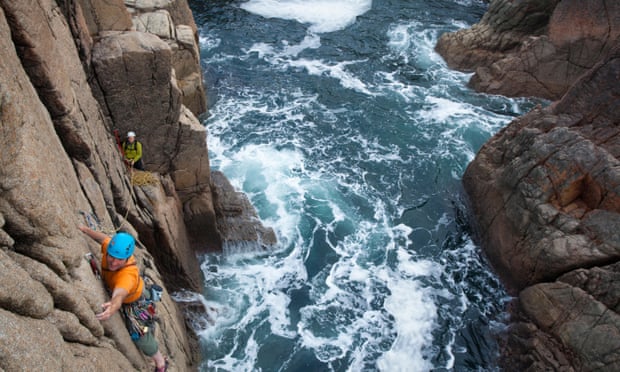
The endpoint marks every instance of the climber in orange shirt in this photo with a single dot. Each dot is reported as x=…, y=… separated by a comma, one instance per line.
x=122, y=277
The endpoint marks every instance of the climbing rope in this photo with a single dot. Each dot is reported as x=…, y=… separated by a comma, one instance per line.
x=143, y=178
x=136, y=178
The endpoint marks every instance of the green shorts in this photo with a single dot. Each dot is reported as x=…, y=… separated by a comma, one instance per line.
x=147, y=343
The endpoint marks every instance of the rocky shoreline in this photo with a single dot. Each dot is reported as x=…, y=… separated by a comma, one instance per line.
x=73, y=75
x=544, y=190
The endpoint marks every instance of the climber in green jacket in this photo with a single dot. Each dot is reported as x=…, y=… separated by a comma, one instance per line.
x=132, y=150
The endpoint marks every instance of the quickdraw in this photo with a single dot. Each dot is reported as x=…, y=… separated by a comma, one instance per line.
x=93, y=264
x=118, y=142
x=91, y=220
x=139, y=317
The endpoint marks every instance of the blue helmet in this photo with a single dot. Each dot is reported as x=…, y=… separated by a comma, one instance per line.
x=121, y=246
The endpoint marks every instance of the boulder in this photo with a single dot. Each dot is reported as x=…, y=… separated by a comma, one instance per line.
x=23, y=337
x=129, y=61
x=602, y=283
x=581, y=323
x=110, y=15
x=531, y=47
x=20, y=293
x=500, y=33
x=237, y=221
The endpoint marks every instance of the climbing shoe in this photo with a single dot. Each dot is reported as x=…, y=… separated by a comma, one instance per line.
x=164, y=368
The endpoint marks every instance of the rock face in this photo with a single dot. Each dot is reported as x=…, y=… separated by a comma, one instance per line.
x=72, y=74
x=533, y=47
x=545, y=189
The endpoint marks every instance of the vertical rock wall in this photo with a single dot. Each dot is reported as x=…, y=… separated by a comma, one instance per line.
x=59, y=163
x=72, y=74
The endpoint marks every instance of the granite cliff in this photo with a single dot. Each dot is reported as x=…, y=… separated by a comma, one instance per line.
x=72, y=75
x=544, y=190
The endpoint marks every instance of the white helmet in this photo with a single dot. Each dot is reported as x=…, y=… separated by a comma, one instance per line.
x=131, y=134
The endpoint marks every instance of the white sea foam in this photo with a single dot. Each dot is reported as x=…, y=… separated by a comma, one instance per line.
x=251, y=168
x=442, y=110
x=414, y=313
x=253, y=289
x=414, y=43
x=310, y=41
x=350, y=288
x=337, y=71
x=321, y=15
x=444, y=118
x=401, y=41
x=278, y=54
x=468, y=2
x=207, y=42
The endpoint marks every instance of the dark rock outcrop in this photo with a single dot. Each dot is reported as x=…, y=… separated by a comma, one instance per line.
x=237, y=221
x=544, y=190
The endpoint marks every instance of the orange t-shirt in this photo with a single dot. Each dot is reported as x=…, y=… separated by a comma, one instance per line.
x=127, y=277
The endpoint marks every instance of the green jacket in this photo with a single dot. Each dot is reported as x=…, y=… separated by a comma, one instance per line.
x=132, y=151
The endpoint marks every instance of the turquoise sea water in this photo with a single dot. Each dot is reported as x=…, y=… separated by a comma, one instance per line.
x=350, y=136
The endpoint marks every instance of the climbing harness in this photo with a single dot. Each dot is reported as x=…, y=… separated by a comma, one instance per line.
x=140, y=316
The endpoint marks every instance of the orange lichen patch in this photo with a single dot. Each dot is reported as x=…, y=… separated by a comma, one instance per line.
x=577, y=209
x=592, y=193
x=580, y=196
x=569, y=192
